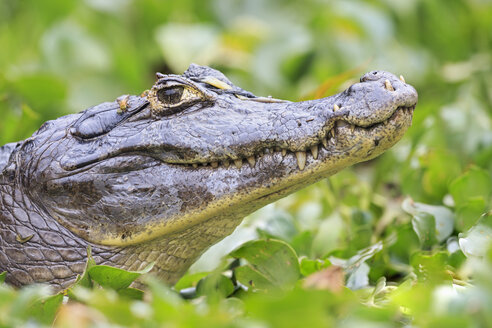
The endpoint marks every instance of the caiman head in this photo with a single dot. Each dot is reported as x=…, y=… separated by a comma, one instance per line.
x=197, y=147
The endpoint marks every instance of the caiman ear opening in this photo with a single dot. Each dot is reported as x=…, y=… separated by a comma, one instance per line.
x=102, y=118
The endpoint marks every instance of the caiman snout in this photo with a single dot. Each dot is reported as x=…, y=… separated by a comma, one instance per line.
x=390, y=82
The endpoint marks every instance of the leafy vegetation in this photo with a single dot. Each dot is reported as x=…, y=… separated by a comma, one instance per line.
x=401, y=241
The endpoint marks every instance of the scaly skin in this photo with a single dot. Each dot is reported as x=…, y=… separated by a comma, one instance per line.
x=162, y=177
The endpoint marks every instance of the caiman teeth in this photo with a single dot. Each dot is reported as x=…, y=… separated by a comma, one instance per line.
x=388, y=86
x=301, y=159
x=301, y=156
x=251, y=161
x=314, y=151
x=402, y=79
x=335, y=107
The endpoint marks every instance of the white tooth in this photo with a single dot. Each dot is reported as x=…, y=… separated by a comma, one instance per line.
x=238, y=163
x=301, y=159
x=215, y=164
x=332, y=132
x=335, y=108
x=332, y=141
x=352, y=128
x=195, y=165
x=402, y=78
x=314, y=151
x=284, y=152
x=388, y=85
x=226, y=163
x=325, y=142
x=267, y=151
x=251, y=161
x=205, y=164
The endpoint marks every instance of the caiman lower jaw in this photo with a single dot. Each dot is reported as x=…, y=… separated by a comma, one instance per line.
x=328, y=140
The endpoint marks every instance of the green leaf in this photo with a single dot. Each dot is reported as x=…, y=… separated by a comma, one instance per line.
x=3, y=275
x=431, y=267
x=424, y=226
x=44, y=310
x=475, y=183
x=477, y=240
x=189, y=280
x=84, y=280
x=215, y=286
x=355, y=267
x=308, y=266
x=115, y=278
x=469, y=213
x=131, y=293
x=444, y=218
x=271, y=264
x=359, y=277
x=29, y=303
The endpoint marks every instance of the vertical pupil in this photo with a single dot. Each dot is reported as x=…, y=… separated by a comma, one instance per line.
x=171, y=95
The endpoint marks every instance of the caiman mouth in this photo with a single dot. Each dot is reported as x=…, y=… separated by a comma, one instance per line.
x=327, y=141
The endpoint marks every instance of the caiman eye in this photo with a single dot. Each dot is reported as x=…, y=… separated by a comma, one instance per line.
x=171, y=95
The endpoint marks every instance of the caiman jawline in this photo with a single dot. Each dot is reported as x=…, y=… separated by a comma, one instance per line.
x=329, y=136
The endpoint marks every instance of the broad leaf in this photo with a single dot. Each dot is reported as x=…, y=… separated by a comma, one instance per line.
x=271, y=264
x=115, y=278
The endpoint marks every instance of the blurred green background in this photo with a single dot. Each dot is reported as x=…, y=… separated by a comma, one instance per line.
x=62, y=56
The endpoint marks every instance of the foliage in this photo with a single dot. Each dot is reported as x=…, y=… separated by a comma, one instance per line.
x=403, y=240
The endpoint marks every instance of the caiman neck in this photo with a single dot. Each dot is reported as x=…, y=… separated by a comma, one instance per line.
x=36, y=248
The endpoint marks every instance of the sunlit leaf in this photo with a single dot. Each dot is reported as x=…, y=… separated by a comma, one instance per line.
x=44, y=310
x=115, y=278
x=271, y=264
x=189, y=280
x=476, y=182
x=424, y=226
x=356, y=267
x=477, y=240
x=442, y=218
x=215, y=285
x=308, y=266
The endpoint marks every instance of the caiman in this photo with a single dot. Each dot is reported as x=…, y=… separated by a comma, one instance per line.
x=162, y=176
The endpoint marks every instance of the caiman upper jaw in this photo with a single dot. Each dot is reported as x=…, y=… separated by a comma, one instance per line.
x=282, y=127
x=364, y=105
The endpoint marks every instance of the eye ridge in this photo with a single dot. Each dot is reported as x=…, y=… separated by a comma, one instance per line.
x=171, y=95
